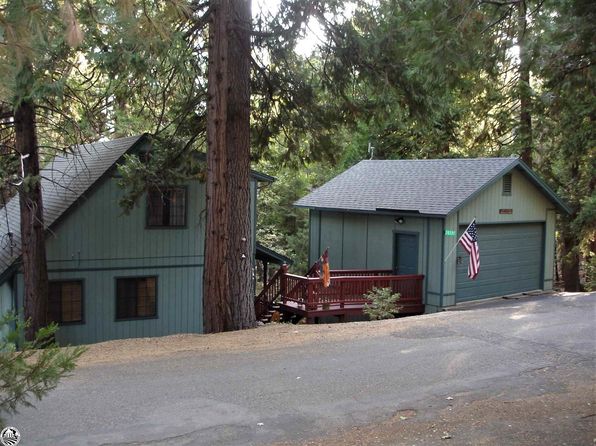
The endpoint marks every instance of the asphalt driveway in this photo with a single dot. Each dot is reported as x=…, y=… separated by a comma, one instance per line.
x=503, y=372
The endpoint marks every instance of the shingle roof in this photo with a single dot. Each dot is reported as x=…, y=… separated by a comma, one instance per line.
x=64, y=180
x=430, y=187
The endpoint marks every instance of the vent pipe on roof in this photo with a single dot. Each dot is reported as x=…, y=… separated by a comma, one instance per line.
x=371, y=150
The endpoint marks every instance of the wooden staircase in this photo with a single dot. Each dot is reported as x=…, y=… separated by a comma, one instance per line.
x=266, y=302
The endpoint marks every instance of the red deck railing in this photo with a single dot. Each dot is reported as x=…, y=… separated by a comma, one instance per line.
x=349, y=289
x=270, y=293
x=306, y=295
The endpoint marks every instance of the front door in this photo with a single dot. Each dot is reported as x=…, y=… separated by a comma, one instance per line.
x=405, y=253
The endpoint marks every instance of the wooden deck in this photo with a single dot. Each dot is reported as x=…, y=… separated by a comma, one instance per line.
x=305, y=296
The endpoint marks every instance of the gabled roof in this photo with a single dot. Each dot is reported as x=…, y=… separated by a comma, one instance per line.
x=427, y=187
x=65, y=180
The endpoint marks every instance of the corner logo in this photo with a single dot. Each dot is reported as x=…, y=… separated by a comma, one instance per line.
x=10, y=436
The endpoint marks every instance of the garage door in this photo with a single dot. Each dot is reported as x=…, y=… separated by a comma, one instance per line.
x=510, y=261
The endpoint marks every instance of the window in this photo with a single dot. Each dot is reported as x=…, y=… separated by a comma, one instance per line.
x=166, y=207
x=65, y=301
x=136, y=297
x=507, y=184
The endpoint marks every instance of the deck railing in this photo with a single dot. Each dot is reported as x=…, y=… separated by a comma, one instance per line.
x=270, y=293
x=349, y=289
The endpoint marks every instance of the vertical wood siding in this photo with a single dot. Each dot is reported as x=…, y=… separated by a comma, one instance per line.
x=526, y=202
x=6, y=305
x=449, y=263
x=362, y=241
x=97, y=243
x=435, y=263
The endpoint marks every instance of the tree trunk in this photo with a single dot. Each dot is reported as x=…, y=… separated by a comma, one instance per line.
x=217, y=311
x=525, y=92
x=569, y=259
x=32, y=223
x=238, y=161
x=227, y=291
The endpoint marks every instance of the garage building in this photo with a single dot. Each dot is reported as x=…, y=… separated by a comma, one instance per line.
x=407, y=215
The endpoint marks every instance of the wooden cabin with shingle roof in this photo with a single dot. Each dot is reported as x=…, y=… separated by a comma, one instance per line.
x=113, y=275
x=403, y=218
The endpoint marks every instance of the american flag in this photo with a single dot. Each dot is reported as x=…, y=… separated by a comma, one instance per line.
x=469, y=241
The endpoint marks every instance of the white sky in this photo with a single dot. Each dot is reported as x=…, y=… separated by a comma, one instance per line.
x=314, y=33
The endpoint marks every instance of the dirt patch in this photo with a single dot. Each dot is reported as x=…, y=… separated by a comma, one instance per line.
x=566, y=418
x=268, y=337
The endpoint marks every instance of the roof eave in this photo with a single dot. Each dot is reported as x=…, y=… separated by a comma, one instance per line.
x=262, y=177
x=538, y=182
x=371, y=211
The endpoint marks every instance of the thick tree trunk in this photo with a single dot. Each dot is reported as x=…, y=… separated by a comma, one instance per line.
x=525, y=92
x=238, y=161
x=32, y=226
x=227, y=292
x=217, y=311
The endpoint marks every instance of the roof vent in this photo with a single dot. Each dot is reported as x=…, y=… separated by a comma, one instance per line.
x=507, y=184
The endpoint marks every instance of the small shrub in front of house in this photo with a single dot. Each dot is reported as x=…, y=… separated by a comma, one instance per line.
x=383, y=304
x=31, y=371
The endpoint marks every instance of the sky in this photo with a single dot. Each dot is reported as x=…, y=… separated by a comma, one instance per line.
x=314, y=31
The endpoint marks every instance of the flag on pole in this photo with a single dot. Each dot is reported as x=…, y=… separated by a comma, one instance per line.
x=469, y=241
x=324, y=262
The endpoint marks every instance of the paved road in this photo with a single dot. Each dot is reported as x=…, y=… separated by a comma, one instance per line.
x=512, y=350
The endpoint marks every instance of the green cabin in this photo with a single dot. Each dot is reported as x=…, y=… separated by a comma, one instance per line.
x=113, y=275
x=407, y=215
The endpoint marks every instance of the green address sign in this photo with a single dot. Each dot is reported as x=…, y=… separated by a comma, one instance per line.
x=450, y=233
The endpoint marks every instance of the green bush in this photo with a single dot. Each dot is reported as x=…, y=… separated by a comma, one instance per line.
x=383, y=304
x=32, y=370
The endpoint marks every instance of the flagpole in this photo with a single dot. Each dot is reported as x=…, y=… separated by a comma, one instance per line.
x=457, y=242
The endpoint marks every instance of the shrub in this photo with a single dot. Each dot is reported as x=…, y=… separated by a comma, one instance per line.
x=34, y=369
x=383, y=304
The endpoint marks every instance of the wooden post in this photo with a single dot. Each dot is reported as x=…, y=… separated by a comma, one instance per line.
x=283, y=283
x=310, y=296
x=265, y=273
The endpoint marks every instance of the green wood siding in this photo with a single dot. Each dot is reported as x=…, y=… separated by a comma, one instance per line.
x=313, y=237
x=332, y=237
x=179, y=306
x=96, y=242
x=435, y=264
x=510, y=261
x=98, y=235
x=526, y=202
x=448, y=292
x=354, y=241
x=362, y=241
x=6, y=304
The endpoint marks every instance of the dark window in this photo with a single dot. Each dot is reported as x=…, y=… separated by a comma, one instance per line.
x=166, y=207
x=507, y=184
x=65, y=303
x=136, y=297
